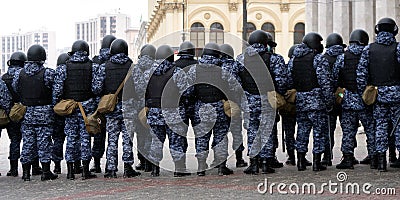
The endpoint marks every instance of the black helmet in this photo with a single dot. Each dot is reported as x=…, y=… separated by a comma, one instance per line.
x=36, y=53
x=186, y=48
x=359, y=36
x=334, y=39
x=165, y=52
x=271, y=42
x=258, y=36
x=148, y=50
x=227, y=50
x=107, y=40
x=387, y=25
x=80, y=45
x=291, y=50
x=313, y=40
x=211, y=49
x=17, y=58
x=119, y=46
x=62, y=58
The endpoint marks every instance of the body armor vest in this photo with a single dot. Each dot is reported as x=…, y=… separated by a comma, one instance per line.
x=331, y=60
x=97, y=60
x=209, y=84
x=384, y=69
x=348, y=74
x=155, y=89
x=32, y=89
x=78, y=85
x=255, y=77
x=115, y=75
x=183, y=63
x=304, y=74
x=8, y=79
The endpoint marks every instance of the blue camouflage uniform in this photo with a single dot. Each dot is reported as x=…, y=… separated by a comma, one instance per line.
x=5, y=101
x=387, y=107
x=37, y=124
x=58, y=135
x=78, y=139
x=311, y=106
x=353, y=108
x=115, y=120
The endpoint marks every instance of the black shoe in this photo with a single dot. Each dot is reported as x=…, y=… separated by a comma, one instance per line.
x=307, y=162
x=36, y=169
x=274, y=163
x=374, y=162
x=301, y=164
x=266, y=167
x=347, y=162
x=382, y=162
x=13, y=168
x=253, y=167
x=148, y=167
x=26, y=170
x=201, y=167
x=392, y=158
x=326, y=160
x=355, y=161
x=366, y=160
x=129, y=172
x=291, y=158
x=78, y=167
x=317, y=166
x=224, y=170
x=395, y=164
x=111, y=174
x=57, y=167
x=180, y=168
x=47, y=174
x=239, y=159
x=155, y=171
x=96, y=166
x=70, y=171
x=141, y=165
x=86, y=174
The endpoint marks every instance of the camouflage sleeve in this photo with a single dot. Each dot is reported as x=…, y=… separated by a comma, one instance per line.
x=98, y=79
x=289, y=74
x=139, y=80
x=280, y=71
x=398, y=52
x=191, y=75
x=324, y=79
x=16, y=81
x=5, y=97
x=336, y=69
x=180, y=79
x=362, y=71
x=59, y=78
x=235, y=88
x=49, y=77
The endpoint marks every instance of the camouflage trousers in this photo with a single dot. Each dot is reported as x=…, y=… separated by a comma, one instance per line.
x=36, y=140
x=78, y=139
x=15, y=136
x=384, y=115
x=315, y=120
x=58, y=139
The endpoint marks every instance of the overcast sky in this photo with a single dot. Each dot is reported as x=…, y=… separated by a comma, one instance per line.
x=60, y=16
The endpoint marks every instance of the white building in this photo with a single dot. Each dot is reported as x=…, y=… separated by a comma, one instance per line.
x=22, y=41
x=93, y=30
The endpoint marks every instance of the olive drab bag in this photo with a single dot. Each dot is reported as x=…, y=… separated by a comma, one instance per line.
x=339, y=95
x=92, y=123
x=4, y=120
x=369, y=95
x=276, y=100
x=231, y=108
x=143, y=117
x=17, y=112
x=65, y=107
x=290, y=96
x=108, y=102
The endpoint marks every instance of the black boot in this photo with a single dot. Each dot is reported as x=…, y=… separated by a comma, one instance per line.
x=111, y=174
x=307, y=162
x=155, y=170
x=47, y=174
x=395, y=164
x=201, y=167
x=382, y=162
x=70, y=171
x=392, y=157
x=347, y=162
x=141, y=165
x=57, y=167
x=96, y=166
x=317, y=166
x=180, y=168
x=78, y=167
x=148, y=167
x=26, y=170
x=291, y=159
x=13, y=168
x=239, y=159
x=374, y=162
x=366, y=160
x=266, y=167
x=224, y=170
x=326, y=160
x=86, y=174
x=129, y=172
x=301, y=164
x=392, y=150
x=36, y=169
x=355, y=161
x=253, y=168
x=274, y=163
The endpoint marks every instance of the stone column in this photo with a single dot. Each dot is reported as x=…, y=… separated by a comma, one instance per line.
x=325, y=17
x=364, y=17
x=311, y=16
x=341, y=19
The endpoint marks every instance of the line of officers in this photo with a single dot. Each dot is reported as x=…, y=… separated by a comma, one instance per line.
x=205, y=89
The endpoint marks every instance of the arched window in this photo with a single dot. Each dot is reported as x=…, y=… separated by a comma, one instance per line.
x=250, y=28
x=217, y=33
x=270, y=28
x=299, y=31
x=197, y=34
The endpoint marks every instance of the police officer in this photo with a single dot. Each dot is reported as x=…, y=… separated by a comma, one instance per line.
x=16, y=62
x=228, y=62
x=59, y=125
x=112, y=74
x=309, y=74
x=74, y=80
x=379, y=67
x=34, y=84
x=140, y=77
x=163, y=114
x=99, y=140
x=353, y=109
x=333, y=48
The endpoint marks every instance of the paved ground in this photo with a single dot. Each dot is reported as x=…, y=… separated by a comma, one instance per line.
x=212, y=186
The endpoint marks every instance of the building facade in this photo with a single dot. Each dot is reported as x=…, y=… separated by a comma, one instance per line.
x=220, y=21
x=22, y=41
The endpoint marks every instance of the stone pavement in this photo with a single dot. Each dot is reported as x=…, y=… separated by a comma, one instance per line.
x=212, y=186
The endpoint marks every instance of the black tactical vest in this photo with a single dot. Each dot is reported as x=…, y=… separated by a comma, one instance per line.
x=384, y=69
x=331, y=60
x=184, y=62
x=8, y=79
x=155, y=88
x=256, y=77
x=304, y=74
x=209, y=84
x=32, y=89
x=97, y=60
x=348, y=74
x=78, y=85
x=115, y=74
